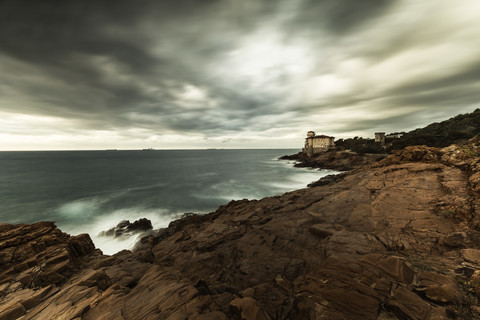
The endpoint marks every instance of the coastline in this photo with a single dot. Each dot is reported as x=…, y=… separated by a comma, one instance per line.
x=93, y=191
x=393, y=239
x=334, y=160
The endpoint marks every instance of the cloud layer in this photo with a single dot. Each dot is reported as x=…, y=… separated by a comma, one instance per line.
x=230, y=73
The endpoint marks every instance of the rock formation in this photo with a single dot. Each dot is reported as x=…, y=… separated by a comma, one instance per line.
x=126, y=228
x=398, y=239
x=335, y=160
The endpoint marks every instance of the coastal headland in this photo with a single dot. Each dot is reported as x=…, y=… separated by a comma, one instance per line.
x=395, y=239
x=335, y=160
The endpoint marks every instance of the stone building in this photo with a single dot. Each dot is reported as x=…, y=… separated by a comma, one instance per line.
x=315, y=144
x=380, y=137
x=394, y=136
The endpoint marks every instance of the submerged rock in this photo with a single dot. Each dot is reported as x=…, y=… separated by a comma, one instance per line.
x=125, y=228
x=397, y=239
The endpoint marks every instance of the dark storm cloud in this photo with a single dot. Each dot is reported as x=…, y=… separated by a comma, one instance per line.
x=455, y=80
x=338, y=16
x=222, y=66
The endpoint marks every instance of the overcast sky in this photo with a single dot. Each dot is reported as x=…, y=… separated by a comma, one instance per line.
x=230, y=73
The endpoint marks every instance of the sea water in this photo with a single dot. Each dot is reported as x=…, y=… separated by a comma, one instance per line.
x=92, y=191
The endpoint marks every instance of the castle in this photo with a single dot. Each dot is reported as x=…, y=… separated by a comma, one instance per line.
x=316, y=144
x=381, y=138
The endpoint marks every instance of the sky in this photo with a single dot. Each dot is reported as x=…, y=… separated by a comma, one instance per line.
x=188, y=74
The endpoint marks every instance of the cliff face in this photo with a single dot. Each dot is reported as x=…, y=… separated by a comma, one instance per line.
x=396, y=240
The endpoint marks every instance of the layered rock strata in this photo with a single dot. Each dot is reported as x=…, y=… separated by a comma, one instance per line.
x=398, y=239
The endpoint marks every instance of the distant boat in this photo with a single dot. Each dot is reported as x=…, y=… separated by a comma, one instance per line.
x=149, y=149
x=111, y=149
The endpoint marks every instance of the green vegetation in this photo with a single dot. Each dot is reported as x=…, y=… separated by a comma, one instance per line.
x=442, y=134
x=470, y=151
x=470, y=290
x=359, y=145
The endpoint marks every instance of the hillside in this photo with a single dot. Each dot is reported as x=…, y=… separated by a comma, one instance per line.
x=441, y=134
x=456, y=130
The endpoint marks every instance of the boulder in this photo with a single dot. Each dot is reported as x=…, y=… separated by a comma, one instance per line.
x=125, y=228
x=439, y=287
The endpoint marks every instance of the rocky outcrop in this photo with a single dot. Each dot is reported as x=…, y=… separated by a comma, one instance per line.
x=335, y=160
x=127, y=228
x=35, y=260
x=399, y=239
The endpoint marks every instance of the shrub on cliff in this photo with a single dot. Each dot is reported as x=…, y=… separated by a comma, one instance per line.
x=455, y=130
x=359, y=145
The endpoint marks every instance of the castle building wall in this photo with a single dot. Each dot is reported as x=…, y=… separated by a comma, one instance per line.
x=318, y=144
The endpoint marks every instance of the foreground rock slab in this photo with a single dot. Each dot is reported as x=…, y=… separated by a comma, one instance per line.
x=398, y=239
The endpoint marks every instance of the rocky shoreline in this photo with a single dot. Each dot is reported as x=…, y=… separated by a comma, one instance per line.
x=334, y=160
x=394, y=239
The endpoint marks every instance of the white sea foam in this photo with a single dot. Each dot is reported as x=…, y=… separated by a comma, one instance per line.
x=79, y=208
x=206, y=174
x=225, y=195
x=299, y=180
x=229, y=190
x=109, y=245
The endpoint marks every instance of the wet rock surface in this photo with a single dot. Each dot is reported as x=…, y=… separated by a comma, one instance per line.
x=398, y=239
x=127, y=228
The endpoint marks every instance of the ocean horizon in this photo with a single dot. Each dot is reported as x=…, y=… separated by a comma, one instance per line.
x=92, y=191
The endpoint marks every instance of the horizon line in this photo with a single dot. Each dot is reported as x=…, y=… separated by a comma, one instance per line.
x=147, y=149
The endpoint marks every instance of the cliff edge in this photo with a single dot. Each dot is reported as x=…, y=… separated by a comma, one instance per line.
x=334, y=160
x=398, y=239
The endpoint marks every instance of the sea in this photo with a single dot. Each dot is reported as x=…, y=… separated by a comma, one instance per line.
x=92, y=191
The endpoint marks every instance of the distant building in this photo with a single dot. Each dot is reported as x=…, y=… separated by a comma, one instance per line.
x=380, y=137
x=316, y=144
x=394, y=136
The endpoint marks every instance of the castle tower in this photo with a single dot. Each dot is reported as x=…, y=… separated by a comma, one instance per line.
x=380, y=138
x=309, y=143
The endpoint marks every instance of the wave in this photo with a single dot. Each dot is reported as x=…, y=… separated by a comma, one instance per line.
x=299, y=179
x=84, y=217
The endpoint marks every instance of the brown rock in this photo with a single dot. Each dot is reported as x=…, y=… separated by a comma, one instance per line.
x=333, y=159
x=471, y=255
x=12, y=311
x=438, y=287
x=408, y=305
x=247, y=309
x=97, y=278
x=456, y=239
x=395, y=267
x=322, y=231
x=415, y=153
